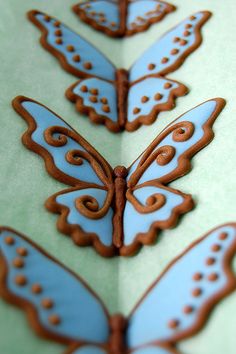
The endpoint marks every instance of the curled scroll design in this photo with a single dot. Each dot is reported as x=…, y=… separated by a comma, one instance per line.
x=153, y=203
x=182, y=131
x=88, y=206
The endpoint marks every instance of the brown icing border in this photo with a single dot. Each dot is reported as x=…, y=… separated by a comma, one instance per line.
x=122, y=31
x=202, y=318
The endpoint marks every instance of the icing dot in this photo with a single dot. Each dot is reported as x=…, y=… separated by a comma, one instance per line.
x=140, y=19
x=47, y=18
x=210, y=261
x=213, y=277
x=167, y=85
x=9, y=240
x=56, y=24
x=176, y=39
x=113, y=24
x=106, y=108
x=18, y=262
x=83, y=88
x=58, y=41
x=87, y=6
x=70, y=48
x=223, y=236
x=93, y=13
x=164, y=60
x=188, y=309
x=104, y=100
x=76, y=58
x=22, y=251
x=47, y=303
x=93, y=99
x=102, y=19
x=174, y=51
x=20, y=280
x=136, y=110
x=94, y=91
x=87, y=65
x=101, y=14
x=158, y=96
x=216, y=248
x=183, y=42
x=144, y=99
x=173, y=324
x=188, y=25
x=36, y=289
x=186, y=33
x=54, y=320
x=192, y=18
x=197, y=292
x=197, y=276
x=151, y=66
x=58, y=33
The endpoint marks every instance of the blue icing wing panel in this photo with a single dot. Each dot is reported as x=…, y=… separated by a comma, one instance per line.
x=168, y=53
x=175, y=303
x=75, y=312
x=98, y=95
x=81, y=56
x=102, y=227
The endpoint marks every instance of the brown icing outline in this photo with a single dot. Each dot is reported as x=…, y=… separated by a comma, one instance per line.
x=122, y=31
x=121, y=83
x=118, y=190
x=118, y=323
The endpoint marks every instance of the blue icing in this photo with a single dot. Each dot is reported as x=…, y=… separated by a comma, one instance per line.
x=173, y=292
x=101, y=66
x=162, y=48
x=45, y=119
x=135, y=222
x=141, y=9
x=150, y=350
x=91, y=350
x=108, y=9
x=198, y=116
x=102, y=227
x=82, y=315
x=148, y=87
x=106, y=90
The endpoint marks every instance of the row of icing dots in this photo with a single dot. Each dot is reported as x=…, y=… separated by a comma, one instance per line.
x=99, y=16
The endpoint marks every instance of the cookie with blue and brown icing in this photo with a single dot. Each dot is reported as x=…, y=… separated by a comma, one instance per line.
x=124, y=17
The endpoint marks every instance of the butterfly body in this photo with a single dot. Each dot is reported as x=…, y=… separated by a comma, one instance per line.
x=119, y=98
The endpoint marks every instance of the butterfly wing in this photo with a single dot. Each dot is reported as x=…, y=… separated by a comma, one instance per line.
x=102, y=15
x=73, y=161
x=76, y=55
x=178, y=304
x=150, y=96
x=59, y=305
x=150, y=205
x=142, y=14
x=168, y=53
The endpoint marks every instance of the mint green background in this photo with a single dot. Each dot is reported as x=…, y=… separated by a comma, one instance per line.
x=24, y=185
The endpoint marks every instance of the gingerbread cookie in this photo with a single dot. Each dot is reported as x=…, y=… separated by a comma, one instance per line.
x=124, y=17
x=61, y=307
x=117, y=210
x=121, y=99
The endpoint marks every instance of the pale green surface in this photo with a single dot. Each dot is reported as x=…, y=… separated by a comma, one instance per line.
x=27, y=69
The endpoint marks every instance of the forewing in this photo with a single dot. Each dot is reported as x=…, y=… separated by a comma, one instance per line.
x=142, y=13
x=102, y=15
x=68, y=157
x=169, y=52
x=169, y=155
x=75, y=53
x=148, y=209
x=86, y=215
x=178, y=303
x=149, y=97
x=98, y=99
x=59, y=304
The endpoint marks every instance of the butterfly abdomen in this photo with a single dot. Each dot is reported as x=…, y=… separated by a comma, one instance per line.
x=120, y=174
x=118, y=326
x=122, y=84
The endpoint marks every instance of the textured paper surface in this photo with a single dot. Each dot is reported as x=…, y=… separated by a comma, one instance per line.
x=29, y=70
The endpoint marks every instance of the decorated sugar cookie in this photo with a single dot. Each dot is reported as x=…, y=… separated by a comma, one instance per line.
x=117, y=210
x=122, y=18
x=61, y=307
x=121, y=99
